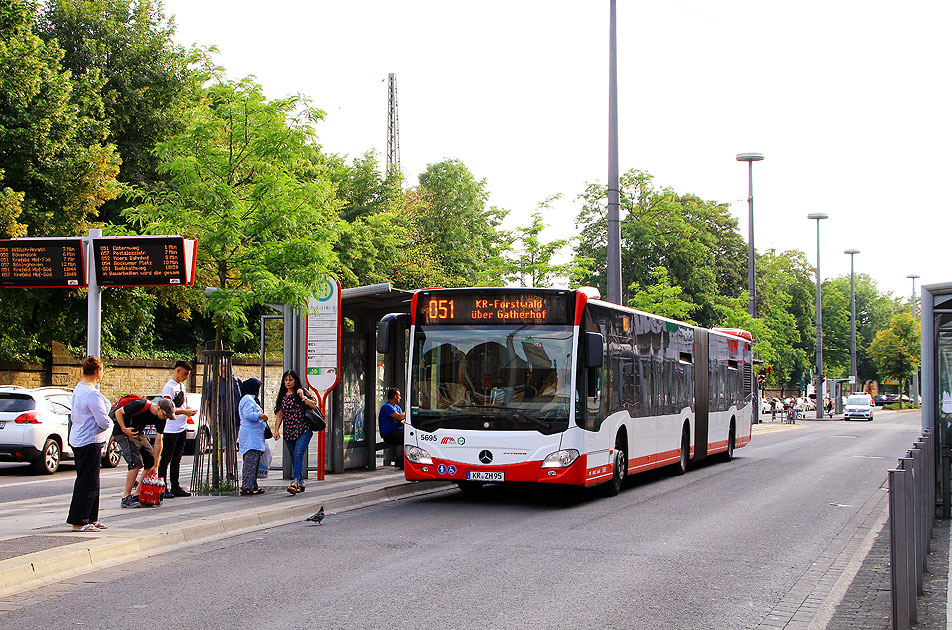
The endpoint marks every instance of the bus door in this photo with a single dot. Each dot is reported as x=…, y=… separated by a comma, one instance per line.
x=701, y=392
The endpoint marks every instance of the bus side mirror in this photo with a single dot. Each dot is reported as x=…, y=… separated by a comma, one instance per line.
x=594, y=348
x=386, y=329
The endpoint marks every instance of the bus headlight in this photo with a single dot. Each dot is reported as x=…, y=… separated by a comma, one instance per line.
x=417, y=455
x=560, y=459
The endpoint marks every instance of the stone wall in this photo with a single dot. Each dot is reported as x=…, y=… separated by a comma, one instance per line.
x=124, y=376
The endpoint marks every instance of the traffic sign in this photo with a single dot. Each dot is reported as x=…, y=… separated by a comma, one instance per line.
x=42, y=262
x=322, y=368
x=142, y=261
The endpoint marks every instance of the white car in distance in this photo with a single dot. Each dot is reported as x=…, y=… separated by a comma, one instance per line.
x=858, y=407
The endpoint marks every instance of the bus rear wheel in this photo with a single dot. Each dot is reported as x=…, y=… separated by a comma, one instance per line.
x=731, y=439
x=619, y=472
x=682, y=466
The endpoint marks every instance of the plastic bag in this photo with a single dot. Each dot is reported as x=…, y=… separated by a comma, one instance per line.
x=264, y=464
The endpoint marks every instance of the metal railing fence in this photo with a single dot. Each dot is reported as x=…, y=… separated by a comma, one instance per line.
x=911, y=516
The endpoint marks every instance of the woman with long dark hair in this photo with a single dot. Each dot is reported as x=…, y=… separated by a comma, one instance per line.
x=293, y=400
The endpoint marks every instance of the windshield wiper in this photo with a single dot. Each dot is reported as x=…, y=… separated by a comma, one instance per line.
x=537, y=421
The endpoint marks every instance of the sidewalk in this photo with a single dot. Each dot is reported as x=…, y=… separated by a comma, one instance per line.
x=34, y=553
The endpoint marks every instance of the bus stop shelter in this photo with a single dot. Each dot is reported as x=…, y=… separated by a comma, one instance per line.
x=352, y=430
x=351, y=434
x=936, y=382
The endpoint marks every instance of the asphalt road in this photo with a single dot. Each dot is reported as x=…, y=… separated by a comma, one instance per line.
x=716, y=548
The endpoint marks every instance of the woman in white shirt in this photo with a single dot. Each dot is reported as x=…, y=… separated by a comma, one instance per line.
x=91, y=424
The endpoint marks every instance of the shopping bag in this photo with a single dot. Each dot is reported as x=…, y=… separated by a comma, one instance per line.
x=264, y=464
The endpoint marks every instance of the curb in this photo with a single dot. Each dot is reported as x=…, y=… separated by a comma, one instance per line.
x=49, y=566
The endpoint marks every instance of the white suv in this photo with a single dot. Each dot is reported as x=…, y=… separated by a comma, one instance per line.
x=34, y=427
x=859, y=406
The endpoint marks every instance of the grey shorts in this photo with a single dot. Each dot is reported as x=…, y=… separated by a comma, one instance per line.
x=137, y=451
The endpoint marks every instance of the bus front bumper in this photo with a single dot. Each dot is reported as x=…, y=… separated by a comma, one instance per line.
x=527, y=472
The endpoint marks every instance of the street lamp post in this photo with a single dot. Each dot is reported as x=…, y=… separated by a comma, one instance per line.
x=854, y=377
x=613, y=255
x=915, y=373
x=750, y=158
x=818, y=216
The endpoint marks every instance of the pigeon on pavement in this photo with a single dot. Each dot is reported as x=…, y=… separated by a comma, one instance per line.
x=317, y=517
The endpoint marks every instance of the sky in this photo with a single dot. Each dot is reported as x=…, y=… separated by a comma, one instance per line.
x=848, y=101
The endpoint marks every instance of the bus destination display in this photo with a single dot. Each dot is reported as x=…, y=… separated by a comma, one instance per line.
x=140, y=261
x=493, y=308
x=42, y=263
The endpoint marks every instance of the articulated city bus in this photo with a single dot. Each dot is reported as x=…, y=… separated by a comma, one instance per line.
x=557, y=386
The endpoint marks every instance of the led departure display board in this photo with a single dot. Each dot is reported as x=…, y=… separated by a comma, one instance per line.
x=42, y=262
x=143, y=261
x=494, y=306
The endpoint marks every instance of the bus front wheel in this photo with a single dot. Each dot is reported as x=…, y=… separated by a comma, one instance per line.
x=619, y=472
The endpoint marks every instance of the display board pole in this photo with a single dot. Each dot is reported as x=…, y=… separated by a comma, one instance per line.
x=94, y=299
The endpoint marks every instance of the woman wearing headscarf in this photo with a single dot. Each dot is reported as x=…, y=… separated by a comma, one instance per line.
x=293, y=401
x=251, y=445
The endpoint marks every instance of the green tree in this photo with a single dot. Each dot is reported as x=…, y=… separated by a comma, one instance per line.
x=874, y=311
x=56, y=168
x=531, y=261
x=662, y=298
x=244, y=181
x=695, y=240
x=785, y=289
x=148, y=82
x=895, y=350
x=457, y=227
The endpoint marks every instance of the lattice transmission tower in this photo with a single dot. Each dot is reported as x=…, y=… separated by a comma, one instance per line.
x=393, y=125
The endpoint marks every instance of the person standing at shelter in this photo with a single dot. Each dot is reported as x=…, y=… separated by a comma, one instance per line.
x=173, y=438
x=391, y=420
x=251, y=444
x=131, y=421
x=293, y=401
x=773, y=409
x=90, y=429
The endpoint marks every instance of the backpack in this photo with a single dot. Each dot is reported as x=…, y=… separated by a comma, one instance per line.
x=122, y=402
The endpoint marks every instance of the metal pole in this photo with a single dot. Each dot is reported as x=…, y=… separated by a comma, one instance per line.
x=613, y=257
x=93, y=299
x=819, y=331
x=751, y=276
x=915, y=372
x=853, y=371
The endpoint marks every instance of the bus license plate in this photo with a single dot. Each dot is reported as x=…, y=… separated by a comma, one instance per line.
x=486, y=475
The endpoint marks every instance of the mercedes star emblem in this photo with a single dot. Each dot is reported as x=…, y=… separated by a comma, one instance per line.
x=485, y=457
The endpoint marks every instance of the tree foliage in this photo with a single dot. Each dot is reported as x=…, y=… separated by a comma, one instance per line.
x=455, y=224
x=662, y=298
x=895, y=350
x=148, y=82
x=56, y=167
x=244, y=181
x=531, y=259
x=696, y=241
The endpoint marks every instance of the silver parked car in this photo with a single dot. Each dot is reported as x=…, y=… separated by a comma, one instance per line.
x=34, y=428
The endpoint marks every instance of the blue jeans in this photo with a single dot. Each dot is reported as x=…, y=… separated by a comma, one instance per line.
x=298, y=450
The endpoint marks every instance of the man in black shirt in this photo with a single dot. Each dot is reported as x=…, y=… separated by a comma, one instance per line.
x=129, y=432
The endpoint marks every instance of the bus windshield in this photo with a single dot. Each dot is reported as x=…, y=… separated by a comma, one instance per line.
x=493, y=377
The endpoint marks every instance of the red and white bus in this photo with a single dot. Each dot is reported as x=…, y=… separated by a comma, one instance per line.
x=557, y=386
